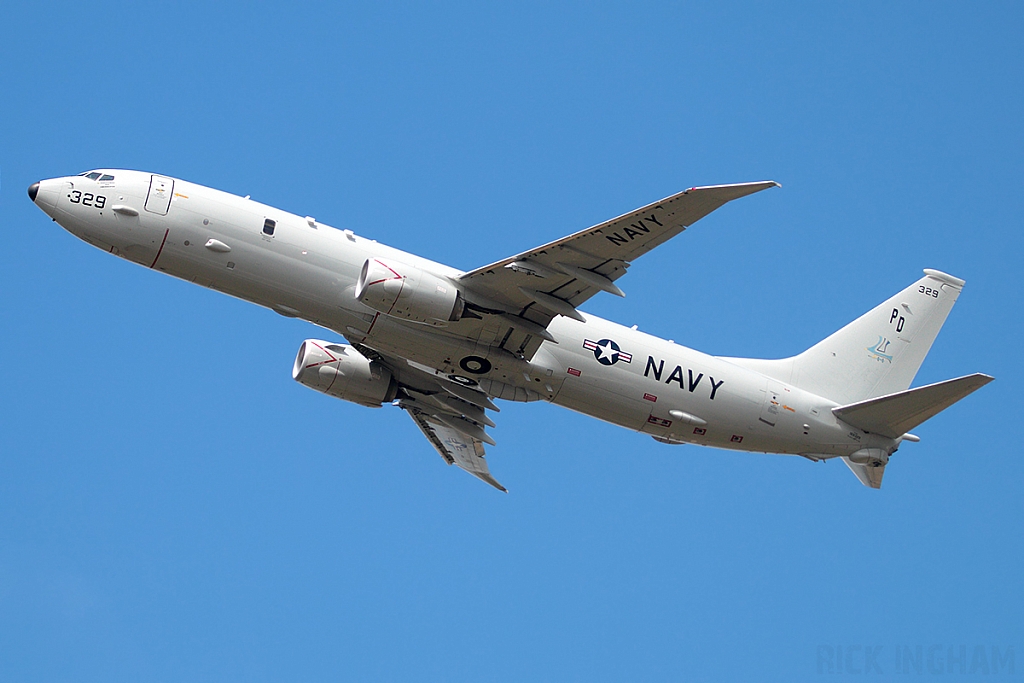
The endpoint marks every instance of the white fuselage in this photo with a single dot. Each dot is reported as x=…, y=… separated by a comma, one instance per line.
x=308, y=270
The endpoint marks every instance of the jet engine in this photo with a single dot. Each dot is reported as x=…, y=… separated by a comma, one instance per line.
x=402, y=291
x=340, y=371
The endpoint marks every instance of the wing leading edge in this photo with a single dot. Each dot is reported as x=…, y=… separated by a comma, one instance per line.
x=529, y=289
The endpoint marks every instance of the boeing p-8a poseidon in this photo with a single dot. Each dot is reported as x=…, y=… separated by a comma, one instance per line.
x=441, y=343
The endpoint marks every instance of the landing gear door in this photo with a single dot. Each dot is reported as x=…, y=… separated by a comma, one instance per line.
x=160, y=191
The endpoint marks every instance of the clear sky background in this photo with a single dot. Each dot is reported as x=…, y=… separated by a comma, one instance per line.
x=174, y=507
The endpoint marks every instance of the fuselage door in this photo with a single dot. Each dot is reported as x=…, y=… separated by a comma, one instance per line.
x=160, y=191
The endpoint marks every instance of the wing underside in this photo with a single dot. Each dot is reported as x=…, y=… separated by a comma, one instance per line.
x=452, y=416
x=455, y=447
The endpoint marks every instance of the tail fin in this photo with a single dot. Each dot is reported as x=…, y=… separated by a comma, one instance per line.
x=877, y=354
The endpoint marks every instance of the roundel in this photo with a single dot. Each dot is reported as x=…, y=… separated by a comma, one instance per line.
x=464, y=381
x=475, y=365
x=607, y=352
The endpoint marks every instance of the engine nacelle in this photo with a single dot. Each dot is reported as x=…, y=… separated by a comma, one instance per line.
x=876, y=457
x=340, y=371
x=406, y=292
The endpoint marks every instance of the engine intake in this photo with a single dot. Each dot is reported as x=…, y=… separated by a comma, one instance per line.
x=340, y=371
x=407, y=292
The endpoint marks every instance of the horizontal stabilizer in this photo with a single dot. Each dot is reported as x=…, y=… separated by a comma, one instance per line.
x=896, y=414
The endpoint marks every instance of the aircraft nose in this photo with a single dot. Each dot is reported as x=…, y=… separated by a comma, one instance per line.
x=44, y=194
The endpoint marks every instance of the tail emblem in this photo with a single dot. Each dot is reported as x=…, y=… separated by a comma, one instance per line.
x=879, y=349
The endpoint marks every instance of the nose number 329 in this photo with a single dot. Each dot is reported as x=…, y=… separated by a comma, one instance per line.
x=87, y=199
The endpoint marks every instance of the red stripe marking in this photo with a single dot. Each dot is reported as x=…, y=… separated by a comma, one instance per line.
x=333, y=359
x=161, y=249
x=387, y=279
x=372, y=323
x=393, y=271
x=329, y=354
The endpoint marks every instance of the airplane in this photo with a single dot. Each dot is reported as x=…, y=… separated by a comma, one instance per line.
x=443, y=344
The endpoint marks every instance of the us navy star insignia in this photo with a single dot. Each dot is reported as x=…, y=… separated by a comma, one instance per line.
x=607, y=352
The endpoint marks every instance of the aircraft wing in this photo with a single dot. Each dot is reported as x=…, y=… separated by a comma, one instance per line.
x=557, y=277
x=452, y=416
x=455, y=447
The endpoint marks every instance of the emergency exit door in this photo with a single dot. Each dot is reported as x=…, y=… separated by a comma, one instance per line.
x=160, y=191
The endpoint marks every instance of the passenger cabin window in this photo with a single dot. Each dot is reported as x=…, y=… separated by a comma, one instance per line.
x=268, y=227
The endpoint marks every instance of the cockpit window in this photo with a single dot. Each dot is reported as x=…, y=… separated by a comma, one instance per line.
x=96, y=175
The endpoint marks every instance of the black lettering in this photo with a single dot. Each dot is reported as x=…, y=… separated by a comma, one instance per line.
x=676, y=376
x=899, y=325
x=693, y=385
x=639, y=225
x=632, y=234
x=715, y=385
x=616, y=239
x=895, y=314
x=650, y=367
x=654, y=220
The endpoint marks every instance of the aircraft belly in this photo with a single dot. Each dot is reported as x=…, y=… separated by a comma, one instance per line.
x=458, y=356
x=602, y=403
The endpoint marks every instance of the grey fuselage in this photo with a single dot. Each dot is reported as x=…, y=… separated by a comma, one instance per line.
x=308, y=270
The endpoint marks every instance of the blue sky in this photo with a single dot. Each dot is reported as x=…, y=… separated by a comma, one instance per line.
x=173, y=506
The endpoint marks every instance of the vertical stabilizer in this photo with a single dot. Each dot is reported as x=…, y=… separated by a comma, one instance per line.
x=879, y=353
